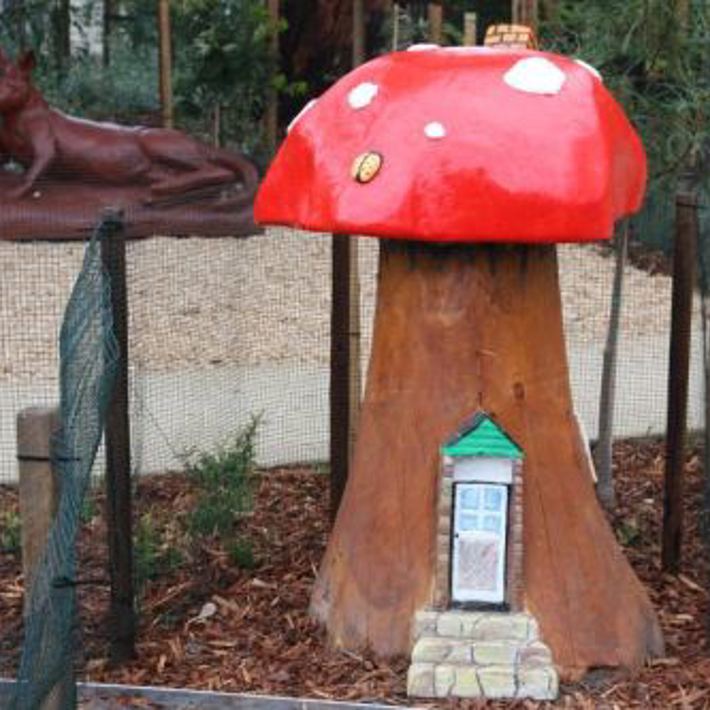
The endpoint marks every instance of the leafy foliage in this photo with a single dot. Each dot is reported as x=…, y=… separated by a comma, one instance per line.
x=222, y=63
x=654, y=57
x=10, y=532
x=222, y=60
x=153, y=555
x=225, y=480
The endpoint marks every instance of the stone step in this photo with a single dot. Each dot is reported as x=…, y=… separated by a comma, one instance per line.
x=439, y=649
x=476, y=625
x=430, y=680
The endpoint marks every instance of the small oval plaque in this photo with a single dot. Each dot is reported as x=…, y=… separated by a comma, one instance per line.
x=366, y=167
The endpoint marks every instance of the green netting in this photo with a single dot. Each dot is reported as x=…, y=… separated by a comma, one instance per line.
x=88, y=358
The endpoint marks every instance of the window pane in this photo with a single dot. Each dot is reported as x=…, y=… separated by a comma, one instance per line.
x=493, y=498
x=471, y=498
x=468, y=522
x=492, y=523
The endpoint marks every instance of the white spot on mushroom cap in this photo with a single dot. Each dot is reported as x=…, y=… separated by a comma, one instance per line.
x=362, y=95
x=300, y=114
x=435, y=130
x=535, y=75
x=422, y=47
x=469, y=49
x=589, y=68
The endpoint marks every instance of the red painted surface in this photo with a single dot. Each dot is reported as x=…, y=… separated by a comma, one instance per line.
x=513, y=166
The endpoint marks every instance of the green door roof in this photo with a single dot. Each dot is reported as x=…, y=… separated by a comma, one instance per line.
x=483, y=437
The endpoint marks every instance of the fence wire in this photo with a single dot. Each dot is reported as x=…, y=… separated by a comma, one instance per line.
x=223, y=329
x=88, y=356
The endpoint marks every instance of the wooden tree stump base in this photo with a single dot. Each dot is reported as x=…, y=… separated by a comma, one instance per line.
x=458, y=329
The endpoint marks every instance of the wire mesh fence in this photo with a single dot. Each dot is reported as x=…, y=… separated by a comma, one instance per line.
x=88, y=359
x=223, y=329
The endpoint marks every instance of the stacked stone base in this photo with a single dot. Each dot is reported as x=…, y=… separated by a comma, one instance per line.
x=466, y=654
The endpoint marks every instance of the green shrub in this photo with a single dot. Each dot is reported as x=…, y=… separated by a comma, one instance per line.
x=241, y=553
x=152, y=555
x=10, y=532
x=224, y=478
x=124, y=92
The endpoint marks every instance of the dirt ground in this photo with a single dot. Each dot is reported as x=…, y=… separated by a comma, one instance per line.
x=207, y=623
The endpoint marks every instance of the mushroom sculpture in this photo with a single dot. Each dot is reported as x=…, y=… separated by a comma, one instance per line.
x=470, y=163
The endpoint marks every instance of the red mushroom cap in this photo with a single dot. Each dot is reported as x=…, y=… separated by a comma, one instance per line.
x=460, y=144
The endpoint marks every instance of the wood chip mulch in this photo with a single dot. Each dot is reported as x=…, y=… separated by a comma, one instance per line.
x=207, y=623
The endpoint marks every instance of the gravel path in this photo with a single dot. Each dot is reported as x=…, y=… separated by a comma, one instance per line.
x=197, y=302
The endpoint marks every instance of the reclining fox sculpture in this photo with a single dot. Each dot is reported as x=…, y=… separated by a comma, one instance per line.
x=47, y=142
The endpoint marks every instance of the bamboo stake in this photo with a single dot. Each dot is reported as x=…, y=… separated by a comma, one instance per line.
x=605, y=439
x=165, y=57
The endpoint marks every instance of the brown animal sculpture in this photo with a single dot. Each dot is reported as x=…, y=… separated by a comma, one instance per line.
x=47, y=142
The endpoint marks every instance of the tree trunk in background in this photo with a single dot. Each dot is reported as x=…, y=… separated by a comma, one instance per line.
x=61, y=21
x=435, y=14
x=166, y=63
x=271, y=115
x=607, y=400
x=460, y=328
x=705, y=318
x=17, y=13
x=550, y=10
x=108, y=16
x=525, y=12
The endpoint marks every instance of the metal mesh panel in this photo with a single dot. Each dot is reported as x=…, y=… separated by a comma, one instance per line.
x=222, y=329
x=88, y=356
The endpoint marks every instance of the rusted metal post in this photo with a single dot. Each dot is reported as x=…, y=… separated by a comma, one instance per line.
x=684, y=257
x=122, y=622
x=39, y=496
x=166, y=63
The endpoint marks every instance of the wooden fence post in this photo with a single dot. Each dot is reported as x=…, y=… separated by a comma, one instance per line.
x=39, y=496
x=122, y=622
x=345, y=374
x=340, y=368
x=684, y=258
